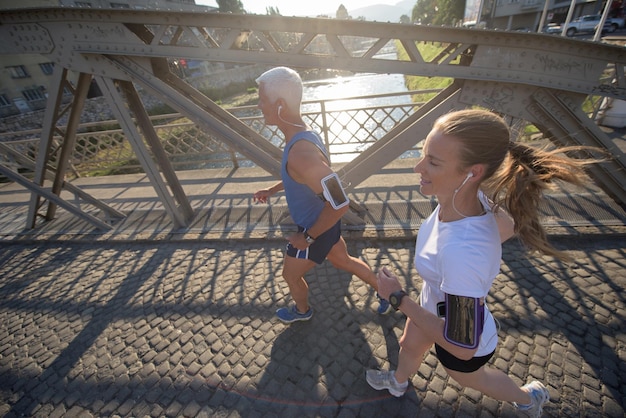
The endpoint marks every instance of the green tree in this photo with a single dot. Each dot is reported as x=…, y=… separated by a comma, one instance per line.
x=424, y=12
x=438, y=12
x=272, y=11
x=450, y=12
x=230, y=6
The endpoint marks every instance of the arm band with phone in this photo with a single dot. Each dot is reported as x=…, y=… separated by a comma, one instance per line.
x=333, y=191
x=464, y=320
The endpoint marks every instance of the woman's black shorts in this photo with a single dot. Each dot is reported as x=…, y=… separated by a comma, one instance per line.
x=464, y=366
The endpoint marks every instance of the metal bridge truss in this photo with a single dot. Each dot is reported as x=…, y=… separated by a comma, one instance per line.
x=541, y=79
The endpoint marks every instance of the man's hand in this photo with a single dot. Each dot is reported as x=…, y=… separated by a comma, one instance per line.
x=387, y=283
x=298, y=240
x=262, y=195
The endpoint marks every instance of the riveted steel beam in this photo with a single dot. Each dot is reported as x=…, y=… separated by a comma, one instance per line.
x=558, y=114
x=115, y=99
x=526, y=58
x=51, y=197
x=80, y=195
x=402, y=138
x=54, y=111
x=504, y=71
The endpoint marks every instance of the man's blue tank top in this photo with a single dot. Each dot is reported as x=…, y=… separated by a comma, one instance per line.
x=304, y=205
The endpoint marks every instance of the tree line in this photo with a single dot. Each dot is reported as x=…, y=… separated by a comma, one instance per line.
x=424, y=12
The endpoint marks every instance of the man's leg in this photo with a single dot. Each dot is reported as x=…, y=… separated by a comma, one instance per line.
x=294, y=270
x=339, y=257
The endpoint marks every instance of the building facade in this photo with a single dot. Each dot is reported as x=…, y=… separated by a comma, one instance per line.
x=24, y=78
x=526, y=14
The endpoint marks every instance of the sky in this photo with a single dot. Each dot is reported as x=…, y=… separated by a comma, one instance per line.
x=301, y=7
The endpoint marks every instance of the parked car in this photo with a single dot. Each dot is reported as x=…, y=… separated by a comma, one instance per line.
x=582, y=24
x=553, y=28
x=589, y=23
x=606, y=28
x=617, y=23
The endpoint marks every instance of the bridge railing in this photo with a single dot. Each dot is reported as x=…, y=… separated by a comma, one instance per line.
x=347, y=126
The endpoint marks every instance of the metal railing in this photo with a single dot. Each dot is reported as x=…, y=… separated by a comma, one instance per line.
x=347, y=126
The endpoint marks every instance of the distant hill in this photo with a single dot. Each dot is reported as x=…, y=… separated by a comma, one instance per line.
x=384, y=12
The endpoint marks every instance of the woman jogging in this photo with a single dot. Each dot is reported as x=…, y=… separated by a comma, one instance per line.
x=458, y=250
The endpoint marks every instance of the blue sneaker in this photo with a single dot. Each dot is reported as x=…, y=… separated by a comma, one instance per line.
x=538, y=395
x=384, y=307
x=291, y=314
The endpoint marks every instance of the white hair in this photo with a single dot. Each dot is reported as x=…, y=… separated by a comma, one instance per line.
x=282, y=83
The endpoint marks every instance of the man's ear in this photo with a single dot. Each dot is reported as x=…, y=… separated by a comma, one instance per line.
x=280, y=104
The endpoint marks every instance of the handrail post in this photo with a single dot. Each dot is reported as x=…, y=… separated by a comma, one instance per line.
x=324, y=125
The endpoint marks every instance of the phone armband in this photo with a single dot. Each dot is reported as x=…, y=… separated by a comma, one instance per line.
x=333, y=191
x=464, y=320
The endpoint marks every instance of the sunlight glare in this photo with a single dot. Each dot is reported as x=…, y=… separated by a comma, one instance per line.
x=302, y=8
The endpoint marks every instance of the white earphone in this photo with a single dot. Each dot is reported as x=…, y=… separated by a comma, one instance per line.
x=280, y=107
x=469, y=175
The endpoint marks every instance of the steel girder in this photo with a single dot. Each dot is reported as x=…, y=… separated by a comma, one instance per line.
x=77, y=38
x=504, y=71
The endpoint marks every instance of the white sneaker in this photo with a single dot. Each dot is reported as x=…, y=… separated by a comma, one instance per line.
x=539, y=395
x=381, y=379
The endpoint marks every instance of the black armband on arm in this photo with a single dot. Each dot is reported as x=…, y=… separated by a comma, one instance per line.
x=464, y=320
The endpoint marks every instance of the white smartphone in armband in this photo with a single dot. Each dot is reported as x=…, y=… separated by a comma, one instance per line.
x=333, y=191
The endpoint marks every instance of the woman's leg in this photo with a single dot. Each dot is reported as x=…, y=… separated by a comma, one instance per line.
x=493, y=383
x=413, y=345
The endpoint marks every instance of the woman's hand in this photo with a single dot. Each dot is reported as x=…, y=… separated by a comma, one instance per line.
x=387, y=283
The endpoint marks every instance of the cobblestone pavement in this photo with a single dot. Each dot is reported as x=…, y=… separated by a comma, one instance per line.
x=187, y=329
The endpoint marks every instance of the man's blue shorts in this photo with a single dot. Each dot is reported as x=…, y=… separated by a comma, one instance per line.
x=317, y=251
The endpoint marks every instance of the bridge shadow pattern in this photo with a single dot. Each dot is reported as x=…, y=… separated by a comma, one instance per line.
x=187, y=329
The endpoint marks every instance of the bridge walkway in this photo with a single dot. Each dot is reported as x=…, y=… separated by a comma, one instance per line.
x=149, y=320
x=224, y=209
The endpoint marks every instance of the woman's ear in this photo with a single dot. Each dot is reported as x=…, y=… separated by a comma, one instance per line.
x=478, y=171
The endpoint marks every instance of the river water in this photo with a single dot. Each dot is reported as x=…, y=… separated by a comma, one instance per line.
x=358, y=85
x=349, y=130
x=350, y=112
